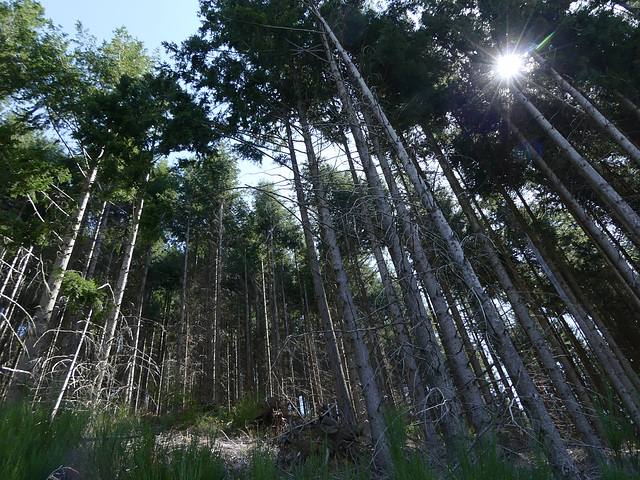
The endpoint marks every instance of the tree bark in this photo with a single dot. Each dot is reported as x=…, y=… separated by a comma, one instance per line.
x=618, y=206
x=613, y=256
x=183, y=302
x=94, y=252
x=543, y=424
x=344, y=404
x=592, y=111
x=520, y=309
x=112, y=321
x=52, y=290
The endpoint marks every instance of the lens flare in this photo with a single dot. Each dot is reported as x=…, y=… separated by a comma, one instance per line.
x=508, y=66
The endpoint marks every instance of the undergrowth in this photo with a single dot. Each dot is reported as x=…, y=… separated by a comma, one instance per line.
x=117, y=446
x=103, y=446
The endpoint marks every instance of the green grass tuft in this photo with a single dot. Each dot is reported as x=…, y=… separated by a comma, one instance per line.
x=32, y=446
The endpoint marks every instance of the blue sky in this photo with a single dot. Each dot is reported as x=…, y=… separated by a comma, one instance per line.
x=151, y=21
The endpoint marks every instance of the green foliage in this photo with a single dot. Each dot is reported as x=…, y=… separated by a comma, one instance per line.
x=490, y=461
x=619, y=431
x=120, y=444
x=247, y=410
x=406, y=465
x=316, y=468
x=81, y=291
x=105, y=447
x=31, y=51
x=262, y=465
x=31, y=445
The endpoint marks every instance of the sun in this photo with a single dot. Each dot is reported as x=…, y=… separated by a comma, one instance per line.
x=509, y=65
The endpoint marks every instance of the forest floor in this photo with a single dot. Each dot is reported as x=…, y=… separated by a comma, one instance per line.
x=234, y=450
x=237, y=448
x=214, y=445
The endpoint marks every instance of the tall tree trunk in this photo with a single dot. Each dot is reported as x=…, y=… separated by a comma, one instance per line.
x=278, y=371
x=592, y=111
x=617, y=205
x=112, y=321
x=248, y=337
x=217, y=373
x=72, y=367
x=137, y=330
x=348, y=309
x=32, y=345
x=543, y=424
x=94, y=252
x=267, y=336
x=183, y=302
x=612, y=255
x=519, y=307
x=342, y=397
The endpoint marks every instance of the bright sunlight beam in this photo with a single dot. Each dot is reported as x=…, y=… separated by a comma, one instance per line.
x=508, y=66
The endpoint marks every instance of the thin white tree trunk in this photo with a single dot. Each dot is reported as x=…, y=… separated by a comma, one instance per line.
x=217, y=365
x=619, y=207
x=52, y=289
x=112, y=321
x=72, y=367
x=94, y=252
x=9, y=271
x=530, y=397
x=592, y=111
x=138, y=328
x=267, y=336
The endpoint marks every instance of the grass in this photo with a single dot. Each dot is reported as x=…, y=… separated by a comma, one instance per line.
x=624, y=462
x=100, y=447
x=115, y=446
x=247, y=410
x=32, y=446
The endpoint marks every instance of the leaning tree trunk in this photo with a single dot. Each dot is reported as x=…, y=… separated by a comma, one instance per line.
x=436, y=370
x=612, y=368
x=344, y=404
x=543, y=424
x=618, y=206
x=112, y=321
x=217, y=366
x=520, y=309
x=96, y=243
x=628, y=104
x=592, y=111
x=72, y=367
x=628, y=277
x=33, y=344
x=248, y=337
x=417, y=387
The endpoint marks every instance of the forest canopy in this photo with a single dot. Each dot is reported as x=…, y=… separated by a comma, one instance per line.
x=457, y=239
